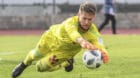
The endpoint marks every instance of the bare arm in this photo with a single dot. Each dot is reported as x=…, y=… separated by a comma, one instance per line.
x=85, y=44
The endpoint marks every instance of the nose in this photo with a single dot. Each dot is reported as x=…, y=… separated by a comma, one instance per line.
x=86, y=21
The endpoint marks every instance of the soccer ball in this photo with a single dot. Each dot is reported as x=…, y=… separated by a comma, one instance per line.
x=92, y=59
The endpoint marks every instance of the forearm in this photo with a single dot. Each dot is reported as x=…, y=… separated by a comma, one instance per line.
x=85, y=44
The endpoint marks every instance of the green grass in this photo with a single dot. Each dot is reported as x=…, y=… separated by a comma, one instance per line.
x=124, y=58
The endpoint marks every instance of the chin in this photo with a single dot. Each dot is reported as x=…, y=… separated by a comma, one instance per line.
x=86, y=27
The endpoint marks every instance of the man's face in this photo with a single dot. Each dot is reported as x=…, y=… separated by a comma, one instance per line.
x=85, y=19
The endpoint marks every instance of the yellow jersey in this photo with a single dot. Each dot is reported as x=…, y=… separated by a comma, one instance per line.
x=62, y=37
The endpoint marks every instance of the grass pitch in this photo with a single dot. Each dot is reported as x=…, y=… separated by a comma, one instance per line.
x=124, y=58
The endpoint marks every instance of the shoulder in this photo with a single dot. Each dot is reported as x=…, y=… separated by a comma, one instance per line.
x=71, y=20
x=94, y=29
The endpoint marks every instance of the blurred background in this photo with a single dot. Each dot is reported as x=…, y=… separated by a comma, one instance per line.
x=40, y=14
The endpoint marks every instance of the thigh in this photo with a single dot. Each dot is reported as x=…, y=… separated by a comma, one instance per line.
x=55, y=58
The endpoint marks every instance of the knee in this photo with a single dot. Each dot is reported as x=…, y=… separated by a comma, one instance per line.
x=40, y=67
x=53, y=60
x=35, y=54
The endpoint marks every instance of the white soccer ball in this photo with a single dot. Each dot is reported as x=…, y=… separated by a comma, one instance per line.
x=92, y=59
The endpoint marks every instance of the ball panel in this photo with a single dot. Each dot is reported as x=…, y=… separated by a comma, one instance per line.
x=90, y=62
x=98, y=65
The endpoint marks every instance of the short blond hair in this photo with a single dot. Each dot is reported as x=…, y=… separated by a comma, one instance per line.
x=88, y=7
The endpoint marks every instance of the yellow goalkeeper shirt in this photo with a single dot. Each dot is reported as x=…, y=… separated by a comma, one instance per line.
x=62, y=37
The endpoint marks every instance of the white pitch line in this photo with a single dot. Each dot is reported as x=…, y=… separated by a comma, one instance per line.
x=7, y=53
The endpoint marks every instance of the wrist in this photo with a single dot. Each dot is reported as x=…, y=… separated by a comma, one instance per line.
x=80, y=40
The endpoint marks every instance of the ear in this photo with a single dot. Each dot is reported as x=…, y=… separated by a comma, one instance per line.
x=78, y=13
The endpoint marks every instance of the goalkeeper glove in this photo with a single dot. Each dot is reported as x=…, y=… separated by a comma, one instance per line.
x=104, y=57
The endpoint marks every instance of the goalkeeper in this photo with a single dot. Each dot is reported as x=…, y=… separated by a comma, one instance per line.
x=58, y=45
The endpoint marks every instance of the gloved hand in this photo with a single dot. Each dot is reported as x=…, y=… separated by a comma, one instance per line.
x=105, y=57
